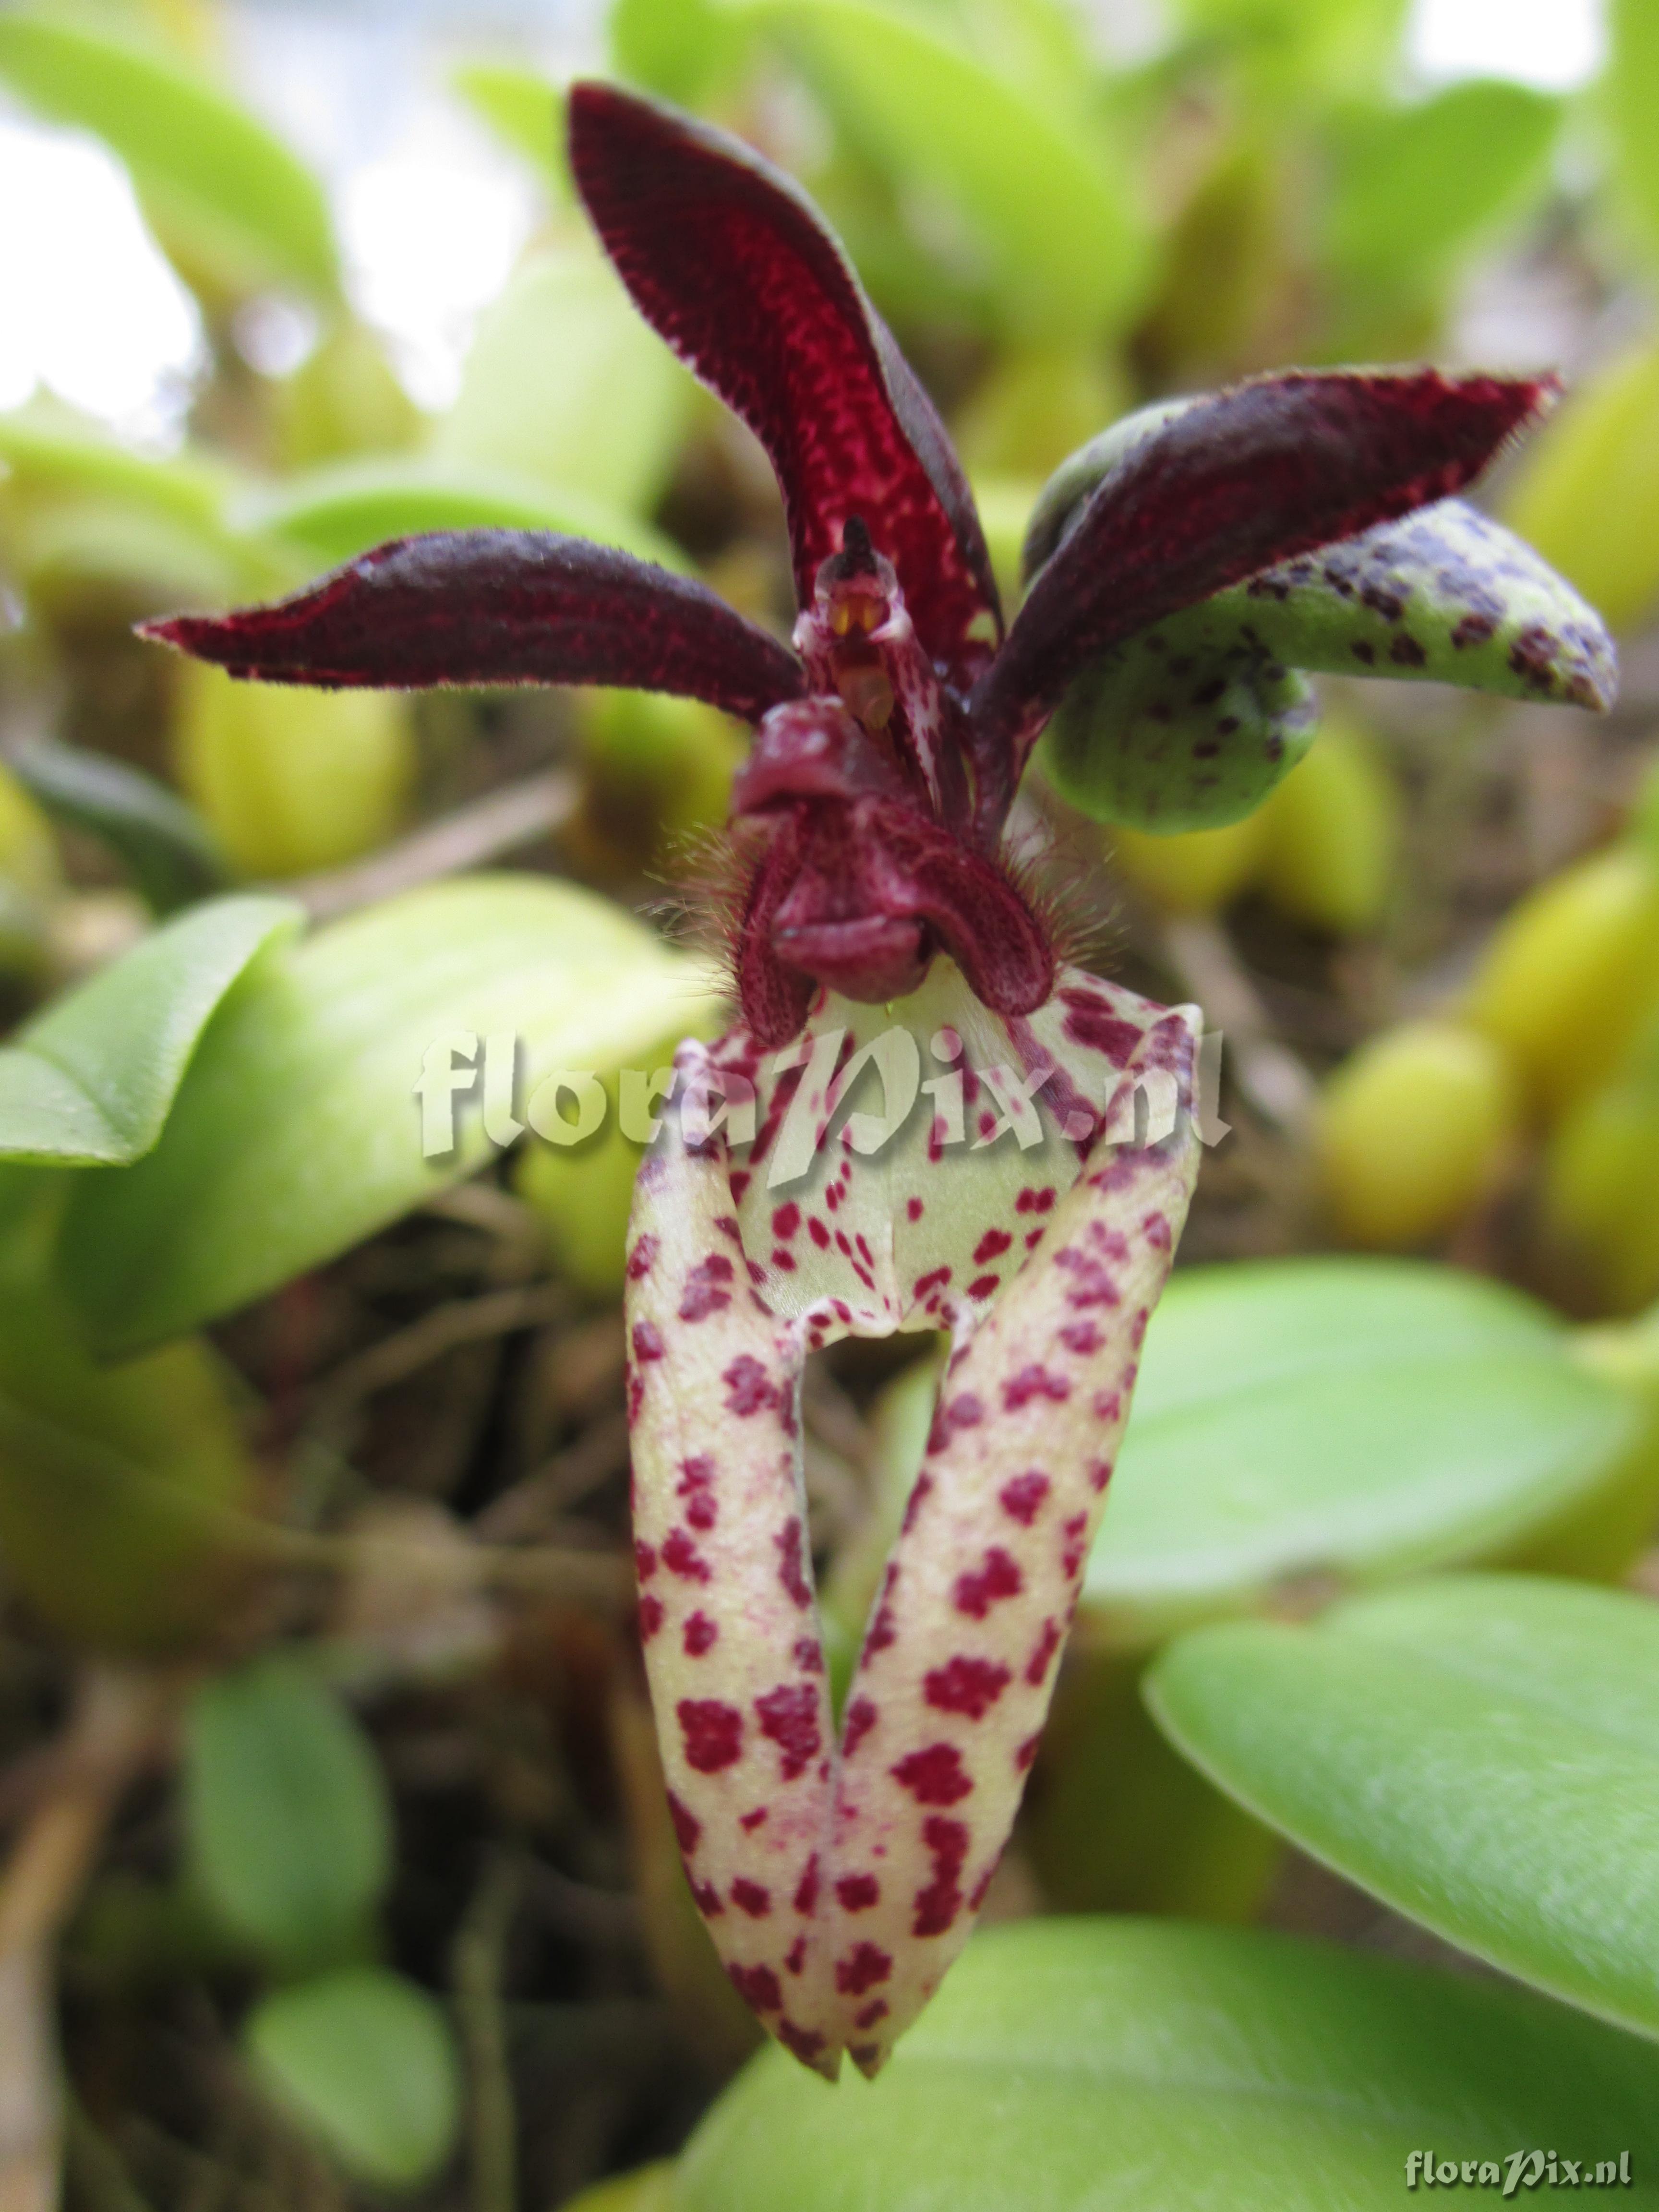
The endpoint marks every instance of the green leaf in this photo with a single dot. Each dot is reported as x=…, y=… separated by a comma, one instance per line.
x=164, y=844
x=1079, y=2064
x=300, y=1131
x=289, y=1820
x=1050, y=229
x=234, y=206
x=366, y=2063
x=1417, y=187
x=92, y=1078
x=525, y=110
x=567, y=389
x=1341, y=45
x=1629, y=89
x=1587, y=493
x=675, y=48
x=332, y=514
x=1481, y=1752
x=48, y=447
x=1340, y=1420
x=114, y=1481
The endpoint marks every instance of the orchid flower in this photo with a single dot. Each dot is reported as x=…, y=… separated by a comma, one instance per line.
x=879, y=919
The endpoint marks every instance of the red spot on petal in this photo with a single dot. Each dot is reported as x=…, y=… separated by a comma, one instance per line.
x=1026, y=1751
x=795, y=1957
x=805, y=2043
x=920, y=1492
x=704, y=1292
x=699, y=1635
x=710, y=1903
x=1034, y=1381
x=788, y=1541
x=739, y=1180
x=1156, y=1230
x=1108, y=1405
x=687, y=1826
x=858, y=1892
x=1081, y=1338
x=1090, y=1023
x=648, y=1341
x=977, y=1896
x=935, y=1775
x=982, y=1286
x=969, y=1687
x=640, y=1259
x=912, y=1209
x=786, y=1220
x=713, y=1733
x=759, y=1987
x=818, y=1233
x=938, y=1904
x=1100, y=1474
x=788, y=1715
x=651, y=1617
x=749, y=1390
x=1047, y=1644
x=750, y=1821
x=864, y=1966
x=991, y=1246
x=645, y=1561
x=751, y=1897
x=681, y=1557
x=877, y=2008
x=862, y=1716
x=1022, y=1497
x=806, y=1892
x=979, y=1589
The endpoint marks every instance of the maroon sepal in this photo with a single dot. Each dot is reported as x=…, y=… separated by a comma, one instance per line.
x=728, y=259
x=500, y=606
x=1259, y=473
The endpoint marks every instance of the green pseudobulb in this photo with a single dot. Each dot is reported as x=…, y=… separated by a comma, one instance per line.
x=1190, y=723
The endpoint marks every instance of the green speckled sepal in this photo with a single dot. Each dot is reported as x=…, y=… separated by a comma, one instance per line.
x=1445, y=594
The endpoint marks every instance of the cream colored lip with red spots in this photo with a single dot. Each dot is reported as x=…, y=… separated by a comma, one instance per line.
x=838, y=1880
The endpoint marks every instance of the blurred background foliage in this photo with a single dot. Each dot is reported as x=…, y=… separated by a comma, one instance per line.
x=339, y=1866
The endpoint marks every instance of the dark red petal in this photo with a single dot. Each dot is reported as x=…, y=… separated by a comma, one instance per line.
x=500, y=606
x=859, y=895
x=1250, y=476
x=730, y=262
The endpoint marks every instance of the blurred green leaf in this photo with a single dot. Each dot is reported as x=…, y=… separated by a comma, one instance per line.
x=366, y=2062
x=302, y=1131
x=49, y=446
x=114, y=1480
x=289, y=1824
x=1315, y=52
x=1075, y=2064
x=1050, y=228
x=164, y=845
x=525, y=110
x=567, y=389
x=1481, y=1752
x=332, y=514
x=675, y=48
x=232, y=202
x=1415, y=187
x=1343, y=1419
x=93, y=1077
x=1629, y=87
x=1587, y=493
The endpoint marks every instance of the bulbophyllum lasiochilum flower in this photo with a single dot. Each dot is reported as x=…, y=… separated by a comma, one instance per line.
x=877, y=908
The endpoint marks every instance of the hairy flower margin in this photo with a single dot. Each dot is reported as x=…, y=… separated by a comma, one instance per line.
x=879, y=919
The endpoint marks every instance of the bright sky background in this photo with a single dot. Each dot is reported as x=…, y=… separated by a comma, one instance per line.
x=432, y=215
